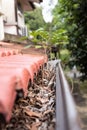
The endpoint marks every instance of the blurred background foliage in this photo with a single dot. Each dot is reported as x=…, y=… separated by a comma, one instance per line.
x=67, y=31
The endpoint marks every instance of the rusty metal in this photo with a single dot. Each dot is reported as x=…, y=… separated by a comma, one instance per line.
x=66, y=113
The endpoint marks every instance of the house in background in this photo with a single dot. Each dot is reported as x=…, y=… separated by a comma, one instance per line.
x=12, y=16
x=1, y=22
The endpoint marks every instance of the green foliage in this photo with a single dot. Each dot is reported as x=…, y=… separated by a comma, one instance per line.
x=68, y=29
x=34, y=19
x=59, y=37
x=65, y=56
x=28, y=46
x=39, y=35
x=38, y=46
x=83, y=86
x=48, y=34
x=73, y=17
x=23, y=38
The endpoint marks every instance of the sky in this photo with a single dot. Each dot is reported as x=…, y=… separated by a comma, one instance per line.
x=47, y=7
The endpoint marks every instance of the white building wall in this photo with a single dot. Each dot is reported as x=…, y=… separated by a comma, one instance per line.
x=9, y=10
x=23, y=30
x=9, y=16
x=21, y=22
x=10, y=30
x=8, y=22
x=1, y=22
x=1, y=28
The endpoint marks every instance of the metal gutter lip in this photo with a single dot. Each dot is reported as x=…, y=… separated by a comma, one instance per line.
x=66, y=114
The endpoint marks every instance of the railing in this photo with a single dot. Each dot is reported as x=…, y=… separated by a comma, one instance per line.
x=66, y=113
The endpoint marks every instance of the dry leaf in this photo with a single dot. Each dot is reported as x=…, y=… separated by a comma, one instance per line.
x=41, y=100
x=47, y=112
x=36, y=85
x=51, y=81
x=24, y=101
x=31, y=113
x=51, y=127
x=35, y=126
x=27, y=113
x=28, y=126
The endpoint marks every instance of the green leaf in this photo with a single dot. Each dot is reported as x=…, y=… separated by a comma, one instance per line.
x=28, y=46
x=38, y=46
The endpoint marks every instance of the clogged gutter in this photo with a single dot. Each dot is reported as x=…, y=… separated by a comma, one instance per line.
x=37, y=111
